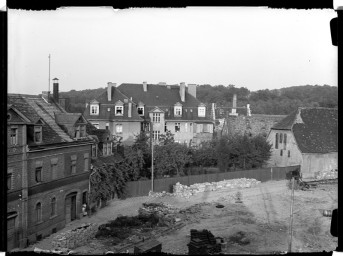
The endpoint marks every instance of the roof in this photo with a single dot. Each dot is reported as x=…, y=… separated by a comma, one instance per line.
x=36, y=109
x=315, y=129
x=68, y=118
x=98, y=162
x=164, y=97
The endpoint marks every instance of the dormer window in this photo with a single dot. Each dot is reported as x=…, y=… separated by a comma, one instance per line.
x=140, y=111
x=178, y=109
x=94, y=109
x=201, y=111
x=37, y=134
x=119, y=110
x=82, y=131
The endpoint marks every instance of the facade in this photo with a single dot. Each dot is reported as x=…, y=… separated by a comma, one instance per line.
x=48, y=168
x=307, y=137
x=171, y=107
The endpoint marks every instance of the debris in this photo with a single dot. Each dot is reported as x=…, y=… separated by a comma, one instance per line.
x=332, y=174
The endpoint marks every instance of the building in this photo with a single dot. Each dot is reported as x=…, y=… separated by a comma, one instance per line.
x=171, y=107
x=115, y=111
x=307, y=137
x=48, y=167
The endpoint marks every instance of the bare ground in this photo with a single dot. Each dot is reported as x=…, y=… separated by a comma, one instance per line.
x=262, y=218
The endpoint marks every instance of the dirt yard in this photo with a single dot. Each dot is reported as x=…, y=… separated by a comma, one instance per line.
x=259, y=224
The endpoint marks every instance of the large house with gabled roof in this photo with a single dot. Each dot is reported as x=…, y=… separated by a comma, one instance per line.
x=131, y=108
x=306, y=137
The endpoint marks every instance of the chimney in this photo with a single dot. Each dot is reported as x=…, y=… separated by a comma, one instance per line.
x=109, y=90
x=192, y=90
x=129, y=114
x=248, y=110
x=182, y=91
x=234, y=106
x=145, y=86
x=55, y=90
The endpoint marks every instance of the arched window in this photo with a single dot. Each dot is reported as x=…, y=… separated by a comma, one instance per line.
x=38, y=212
x=53, y=206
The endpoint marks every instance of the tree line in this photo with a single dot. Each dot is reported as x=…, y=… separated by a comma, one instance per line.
x=273, y=102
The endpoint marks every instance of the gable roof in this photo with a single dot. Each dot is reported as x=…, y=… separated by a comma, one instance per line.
x=315, y=129
x=69, y=118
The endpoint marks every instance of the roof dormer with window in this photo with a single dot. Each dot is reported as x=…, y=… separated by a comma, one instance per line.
x=94, y=108
x=178, y=109
x=119, y=108
x=202, y=110
x=140, y=108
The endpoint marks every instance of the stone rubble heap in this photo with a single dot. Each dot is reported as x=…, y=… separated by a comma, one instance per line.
x=333, y=174
x=75, y=238
x=157, y=208
x=187, y=191
x=159, y=194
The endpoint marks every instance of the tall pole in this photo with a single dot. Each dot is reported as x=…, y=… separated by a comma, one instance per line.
x=49, y=77
x=152, y=158
x=291, y=219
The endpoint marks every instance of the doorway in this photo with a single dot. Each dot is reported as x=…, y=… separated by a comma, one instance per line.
x=70, y=207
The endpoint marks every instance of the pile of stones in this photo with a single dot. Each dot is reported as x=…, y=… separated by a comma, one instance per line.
x=187, y=191
x=75, y=238
x=159, y=194
x=333, y=174
x=157, y=208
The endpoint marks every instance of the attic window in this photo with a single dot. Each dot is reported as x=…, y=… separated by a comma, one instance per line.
x=119, y=110
x=177, y=111
x=38, y=134
x=201, y=111
x=140, y=111
x=94, y=109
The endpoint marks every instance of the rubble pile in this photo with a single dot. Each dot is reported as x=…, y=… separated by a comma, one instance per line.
x=160, y=209
x=75, y=238
x=187, y=191
x=333, y=174
x=159, y=194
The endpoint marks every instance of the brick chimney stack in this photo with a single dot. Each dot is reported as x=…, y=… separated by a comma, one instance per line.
x=109, y=90
x=55, y=94
x=145, y=86
x=182, y=91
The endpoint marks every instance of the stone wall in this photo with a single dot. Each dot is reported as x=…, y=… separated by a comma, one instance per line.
x=252, y=125
x=75, y=238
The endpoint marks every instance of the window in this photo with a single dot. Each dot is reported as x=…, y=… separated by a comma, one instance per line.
x=38, y=212
x=38, y=174
x=94, y=110
x=165, y=127
x=199, y=128
x=276, y=140
x=210, y=128
x=281, y=152
x=77, y=132
x=11, y=219
x=9, y=181
x=38, y=134
x=289, y=153
x=284, y=141
x=201, y=111
x=205, y=128
x=14, y=136
x=54, y=168
x=281, y=135
x=156, y=117
x=140, y=111
x=186, y=127
x=96, y=125
x=53, y=207
x=84, y=197
x=86, y=161
x=119, y=128
x=156, y=135
x=109, y=148
x=119, y=110
x=93, y=150
x=177, y=127
x=73, y=164
x=178, y=111
x=82, y=131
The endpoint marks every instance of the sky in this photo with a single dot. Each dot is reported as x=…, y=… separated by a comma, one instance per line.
x=257, y=48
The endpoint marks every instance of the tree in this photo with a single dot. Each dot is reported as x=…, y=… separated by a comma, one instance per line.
x=170, y=159
x=204, y=155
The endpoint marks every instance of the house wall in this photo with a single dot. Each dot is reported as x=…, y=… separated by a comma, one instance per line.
x=314, y=163
x=182, y=136
x=276, y=159
x=130, y=130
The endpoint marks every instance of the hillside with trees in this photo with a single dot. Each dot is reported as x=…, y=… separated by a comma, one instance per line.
x=274, y=102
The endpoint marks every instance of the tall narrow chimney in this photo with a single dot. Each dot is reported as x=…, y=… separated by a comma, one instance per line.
x=145, y=86
x=182, y=91
x=234, y=106
x=129, y=114
x=55, y=90
x=192, y=90
x=109, y=90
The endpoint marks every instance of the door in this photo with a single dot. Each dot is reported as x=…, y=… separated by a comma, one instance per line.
x=73, y=208
x=68, y=209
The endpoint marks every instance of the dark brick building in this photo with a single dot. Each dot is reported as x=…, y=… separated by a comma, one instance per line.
x=49, y=156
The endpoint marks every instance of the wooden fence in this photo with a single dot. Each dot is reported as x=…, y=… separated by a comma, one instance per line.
x=142, y=188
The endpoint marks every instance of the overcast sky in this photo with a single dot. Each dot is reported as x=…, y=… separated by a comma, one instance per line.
x=256, y=48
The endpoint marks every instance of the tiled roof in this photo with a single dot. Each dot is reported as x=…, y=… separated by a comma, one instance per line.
x=315, y=129
x=107, y=160
x=35, y=108
x=165, y=99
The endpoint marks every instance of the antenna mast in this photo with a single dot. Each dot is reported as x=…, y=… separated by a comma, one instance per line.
x=49, y=75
